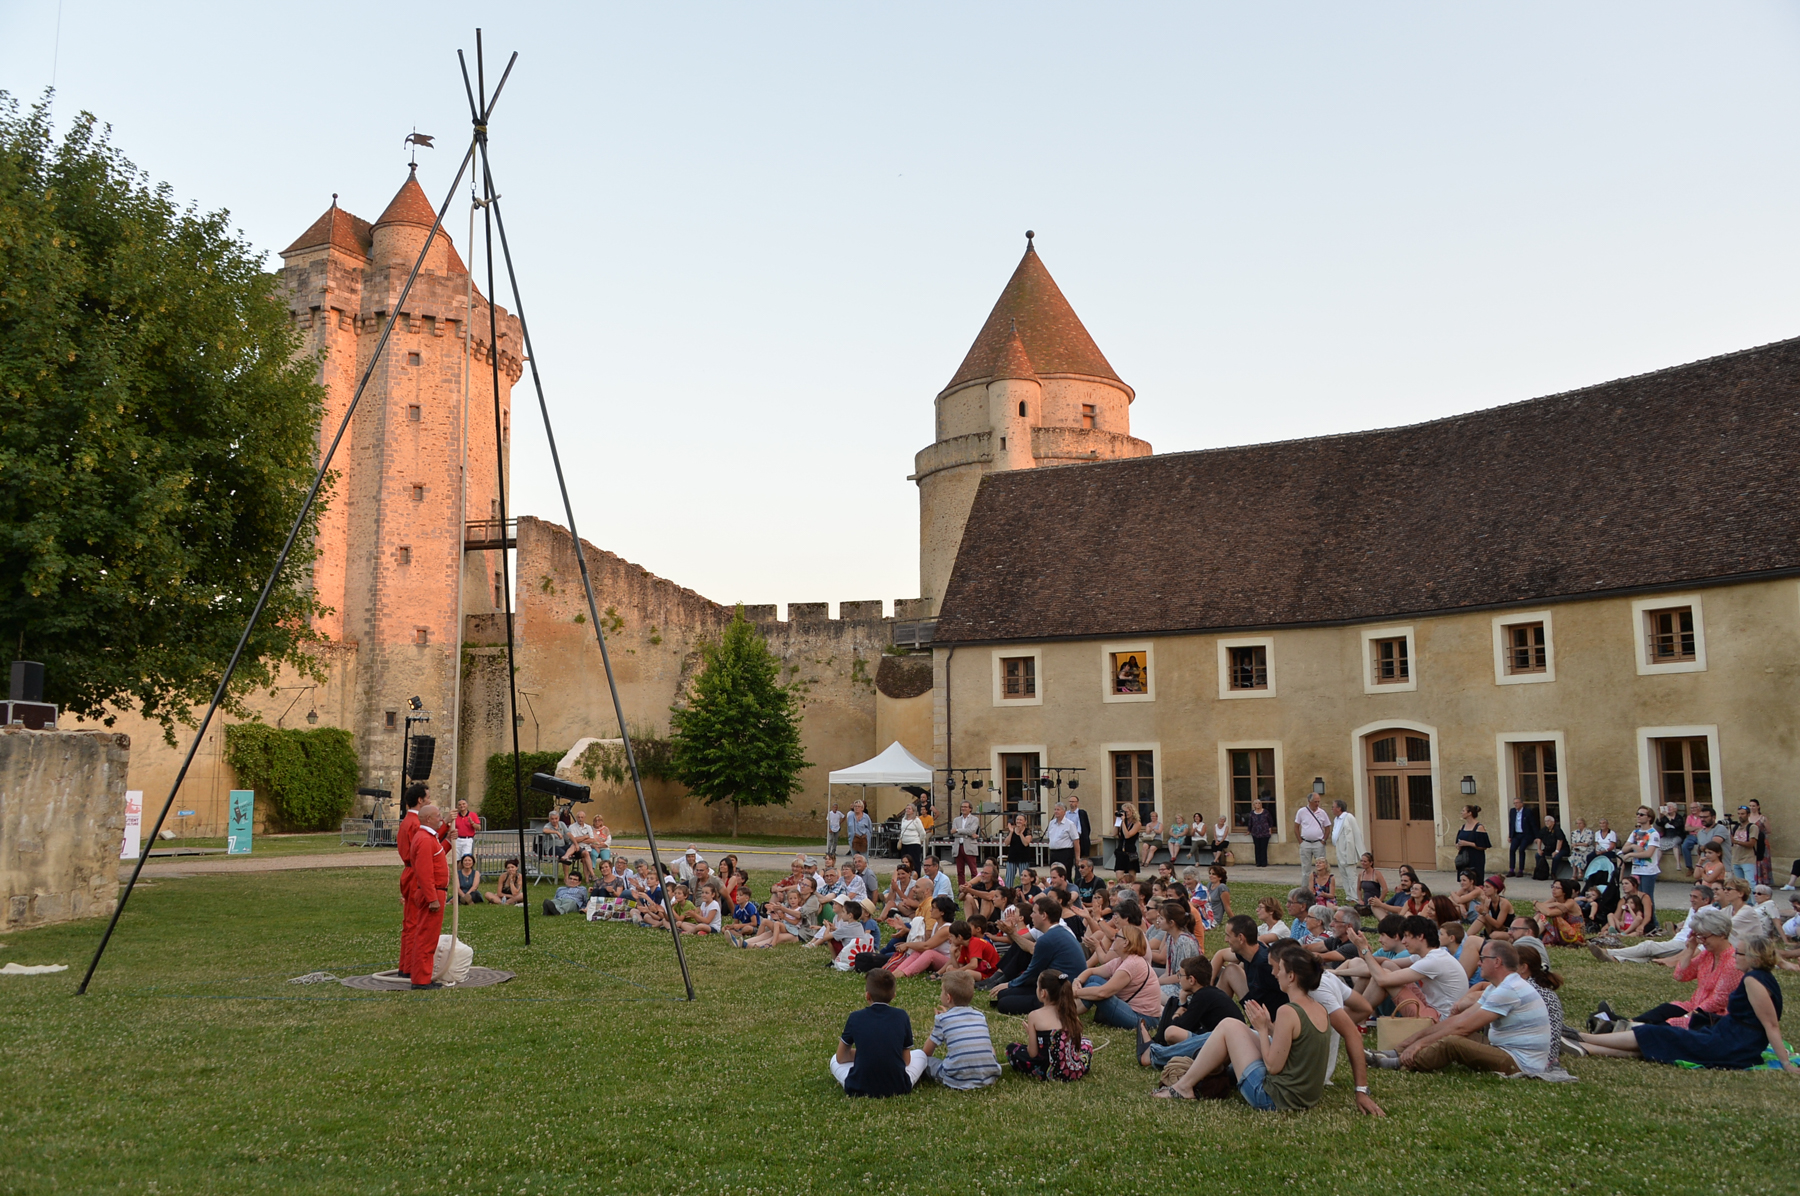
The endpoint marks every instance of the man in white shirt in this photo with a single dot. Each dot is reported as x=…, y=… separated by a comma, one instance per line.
x=834, y=822
x=1651, y=950
x=1061, y=835
x=684, y=868
x=1440, y=977
x=1084, y=828
x=1314, y=825
x=1513, y=1014
x=1346, y=839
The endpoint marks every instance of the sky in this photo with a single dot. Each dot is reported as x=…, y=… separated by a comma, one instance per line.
x=755, y=241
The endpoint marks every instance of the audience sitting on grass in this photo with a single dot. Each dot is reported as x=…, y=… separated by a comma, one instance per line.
x=1278, y=1059
x=511, y=890
x=1563, y=923
x=1123, y=991
x=875, y=1055
x=927, y=945
x=1708, y=960
x=970, y=950
x=1493, y=912
x=571, y=896
x=1370, y=883
x=1431, y=983
x=1271, y=927
x=1321, y=885
x=468, y=882
x=1053, y=949
x=1054, y=1048
x=1750, y=1028
x=1242, y=969
x=1185, y=1021
x=1396, y=900
x=1534, y=965
x=1507, y=1009
x=960, y=1032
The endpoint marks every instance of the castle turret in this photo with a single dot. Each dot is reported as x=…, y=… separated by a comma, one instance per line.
x=391, y=543
x=1033, y=390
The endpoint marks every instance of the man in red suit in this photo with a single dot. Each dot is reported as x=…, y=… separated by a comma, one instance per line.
x=427, y=877
x=403, y=842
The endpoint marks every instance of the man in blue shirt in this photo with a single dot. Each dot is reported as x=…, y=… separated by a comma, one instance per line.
x=1055, y=950
x=940, y=880
x=874, y=1053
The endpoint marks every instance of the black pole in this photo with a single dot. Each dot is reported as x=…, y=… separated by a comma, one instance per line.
x=512, y=668
x=274, y=574
x=587, y=583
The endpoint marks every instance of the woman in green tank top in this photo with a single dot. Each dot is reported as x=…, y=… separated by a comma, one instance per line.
x=1279, y=1061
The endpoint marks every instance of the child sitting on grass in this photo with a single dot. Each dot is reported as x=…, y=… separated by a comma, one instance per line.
x=961, y=1033
x=970, y=951
x=874, y=1053
x=1053, y=1048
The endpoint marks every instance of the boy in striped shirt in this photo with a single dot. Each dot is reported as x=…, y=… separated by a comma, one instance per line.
x=960, y=1033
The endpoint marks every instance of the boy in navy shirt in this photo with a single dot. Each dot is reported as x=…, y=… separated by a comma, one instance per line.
x=875, y=1055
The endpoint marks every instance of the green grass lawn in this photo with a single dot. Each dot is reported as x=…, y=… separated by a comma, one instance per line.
x=192, y=1066
x=263, y=845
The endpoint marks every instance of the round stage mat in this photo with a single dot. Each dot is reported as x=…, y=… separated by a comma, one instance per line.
x=393, y=983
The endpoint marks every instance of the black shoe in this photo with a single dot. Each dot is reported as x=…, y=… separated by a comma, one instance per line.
x=404, y=975
x=419, y=988
x=549, y=908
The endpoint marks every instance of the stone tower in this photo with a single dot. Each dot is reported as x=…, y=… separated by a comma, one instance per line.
x=1033, y=390
x=391, y=541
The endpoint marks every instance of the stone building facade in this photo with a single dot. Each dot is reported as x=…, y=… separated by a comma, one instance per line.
x=1587, y=601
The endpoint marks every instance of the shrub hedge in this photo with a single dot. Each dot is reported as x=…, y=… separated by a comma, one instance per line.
x=497, y=805
x=307, y=777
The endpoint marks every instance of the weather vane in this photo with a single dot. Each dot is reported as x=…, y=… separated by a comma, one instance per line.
x=415, y=139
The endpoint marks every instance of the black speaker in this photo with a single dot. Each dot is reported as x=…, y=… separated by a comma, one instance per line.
x=543, y=782
x=418, y=765
x=27, y=681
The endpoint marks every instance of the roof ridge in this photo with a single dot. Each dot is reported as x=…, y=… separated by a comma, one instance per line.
x=1326, y=437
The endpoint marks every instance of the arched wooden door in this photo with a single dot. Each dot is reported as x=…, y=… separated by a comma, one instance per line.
x=1404, y=827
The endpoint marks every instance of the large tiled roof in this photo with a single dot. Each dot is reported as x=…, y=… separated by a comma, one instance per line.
x=1051, y=332
x=1679, y=477
x=337, y=228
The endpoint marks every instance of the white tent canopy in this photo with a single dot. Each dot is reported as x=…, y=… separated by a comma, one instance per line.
x=895, y=766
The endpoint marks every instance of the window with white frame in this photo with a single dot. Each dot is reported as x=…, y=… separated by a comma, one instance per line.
x=1247, y=667
x=1127, y=673
x=1390, y=660
x=1524, y=648
x=1670, y=634
x=1018, y=677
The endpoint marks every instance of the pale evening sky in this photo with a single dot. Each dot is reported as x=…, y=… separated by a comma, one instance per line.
x=756, y=241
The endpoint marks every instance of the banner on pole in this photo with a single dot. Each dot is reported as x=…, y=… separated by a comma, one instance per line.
x=238, y=831
x=134, y=824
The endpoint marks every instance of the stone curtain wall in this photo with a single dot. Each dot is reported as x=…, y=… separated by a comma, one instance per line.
x=62, y=815
x=654, y=628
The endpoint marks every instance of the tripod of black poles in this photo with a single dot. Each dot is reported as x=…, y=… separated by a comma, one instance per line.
x=481, y=109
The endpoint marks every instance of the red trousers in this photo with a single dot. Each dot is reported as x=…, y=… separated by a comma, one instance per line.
x=427, y=924
x=409, y=918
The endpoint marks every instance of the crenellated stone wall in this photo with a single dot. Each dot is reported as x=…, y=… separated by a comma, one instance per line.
x=654, y=630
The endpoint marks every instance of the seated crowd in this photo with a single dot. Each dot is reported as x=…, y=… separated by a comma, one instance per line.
x=1261, y=1016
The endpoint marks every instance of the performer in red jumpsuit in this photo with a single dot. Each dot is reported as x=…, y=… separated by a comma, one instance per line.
x=427, y=878
x=403, y=842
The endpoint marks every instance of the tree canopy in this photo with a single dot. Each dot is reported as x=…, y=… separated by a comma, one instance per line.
x=160, y=432
x=737, y=739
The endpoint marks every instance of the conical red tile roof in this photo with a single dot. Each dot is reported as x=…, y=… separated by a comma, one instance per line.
x=409, y=206
x=336, y=228
x=1013, y=361
x=1050, y=333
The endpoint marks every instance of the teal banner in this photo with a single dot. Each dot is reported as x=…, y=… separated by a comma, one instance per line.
x=243, y=802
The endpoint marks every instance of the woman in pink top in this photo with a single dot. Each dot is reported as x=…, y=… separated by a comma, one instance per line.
x=1709, y=961
x=1123, y=992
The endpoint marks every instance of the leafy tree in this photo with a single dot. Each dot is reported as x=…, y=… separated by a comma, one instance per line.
x=499, y=805
x=159, y=434
x=738, y=738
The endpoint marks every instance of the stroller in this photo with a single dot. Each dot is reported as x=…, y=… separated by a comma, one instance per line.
x=1602, y=873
